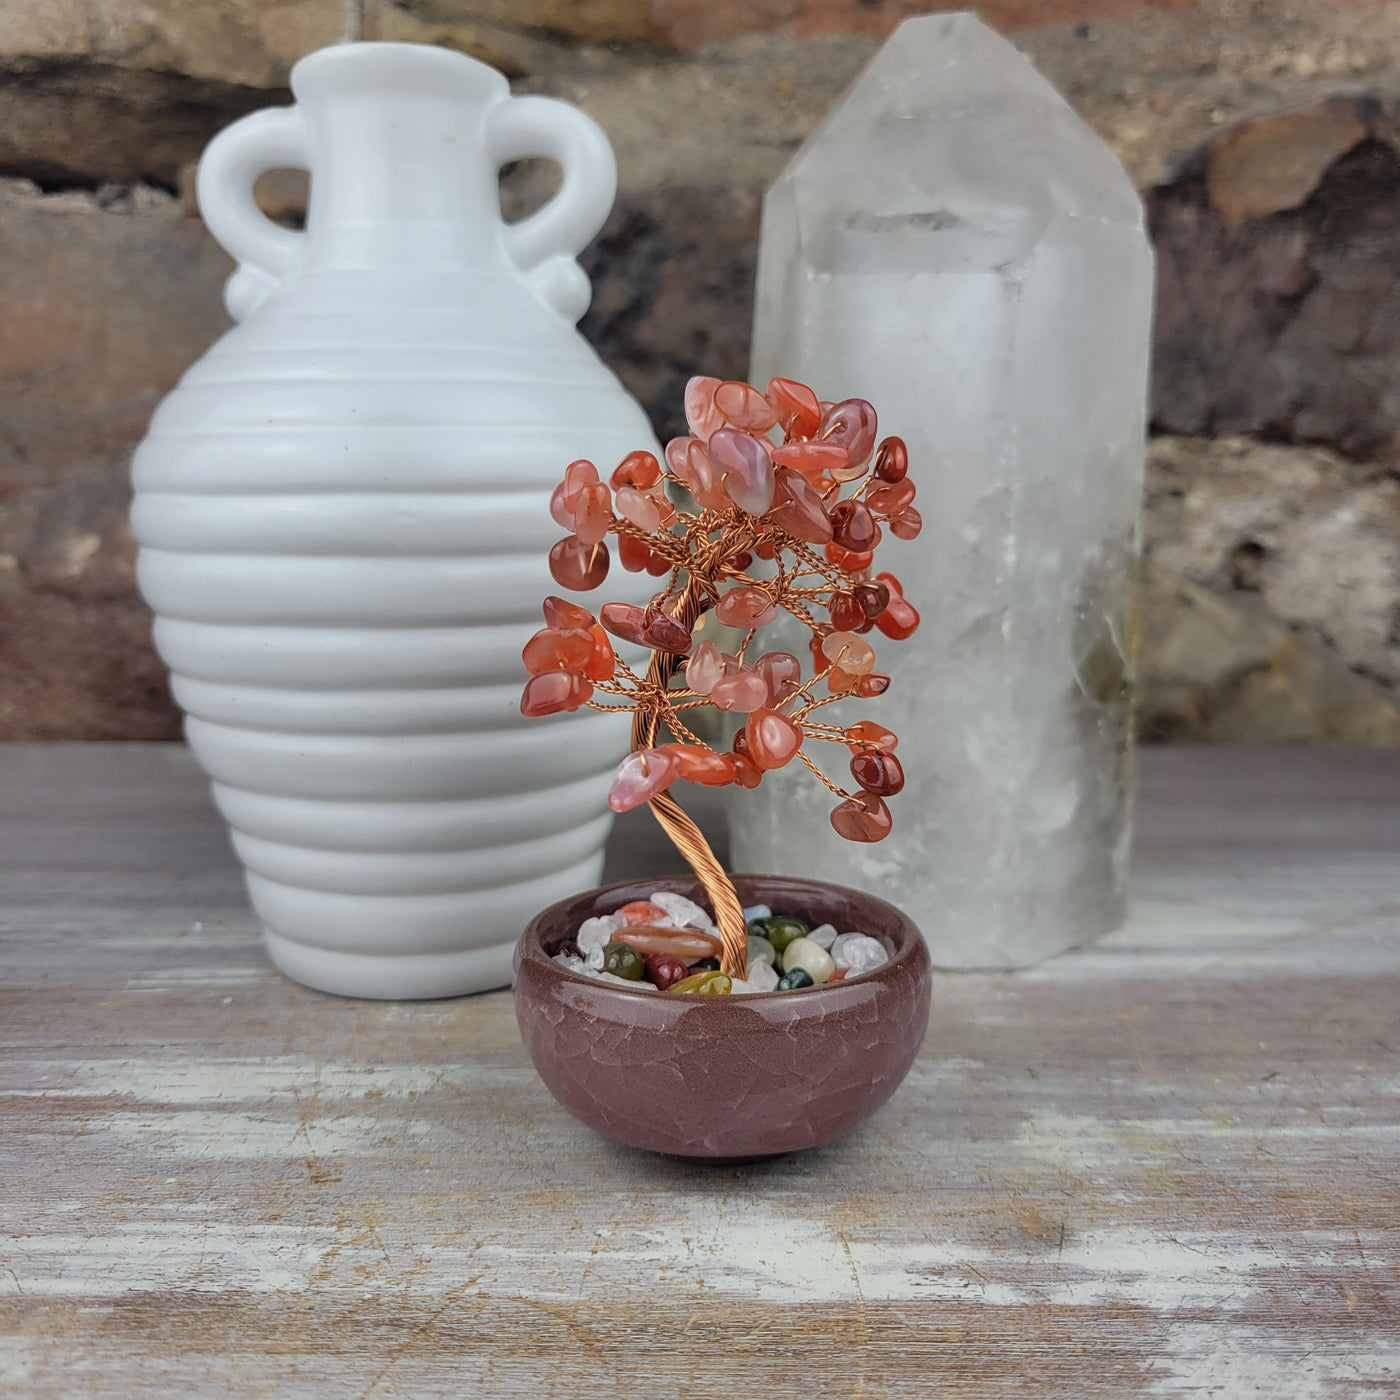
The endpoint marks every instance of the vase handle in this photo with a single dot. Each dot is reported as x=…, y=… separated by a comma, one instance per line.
x=228, y=170
x=544, y=245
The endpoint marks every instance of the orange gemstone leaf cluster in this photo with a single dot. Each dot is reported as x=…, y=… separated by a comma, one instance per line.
x=825, y=484
x=791, y=498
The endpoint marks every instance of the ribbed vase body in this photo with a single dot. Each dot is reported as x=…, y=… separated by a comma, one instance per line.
x=343, y=518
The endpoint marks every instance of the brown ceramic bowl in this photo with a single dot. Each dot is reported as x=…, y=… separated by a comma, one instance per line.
x=724, y=1079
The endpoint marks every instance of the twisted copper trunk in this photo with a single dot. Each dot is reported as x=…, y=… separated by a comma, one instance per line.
x=729, y=914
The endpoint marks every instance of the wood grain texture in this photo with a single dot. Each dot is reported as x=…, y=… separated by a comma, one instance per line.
x=1165, y=1166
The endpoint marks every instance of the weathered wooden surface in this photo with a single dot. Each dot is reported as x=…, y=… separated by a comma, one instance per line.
x=1167, y=1166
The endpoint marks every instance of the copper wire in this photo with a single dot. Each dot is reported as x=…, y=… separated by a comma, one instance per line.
x=729, y=914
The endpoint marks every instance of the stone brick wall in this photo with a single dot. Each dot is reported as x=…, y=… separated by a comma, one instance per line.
x=1261, y=133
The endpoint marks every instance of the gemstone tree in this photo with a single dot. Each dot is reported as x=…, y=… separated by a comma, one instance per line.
x=955, y=235
x=792, y=498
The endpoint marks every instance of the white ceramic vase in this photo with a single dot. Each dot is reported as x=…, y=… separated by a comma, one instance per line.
x=343, y=518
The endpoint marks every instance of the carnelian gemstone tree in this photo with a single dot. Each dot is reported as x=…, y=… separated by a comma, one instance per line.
x=792, y=498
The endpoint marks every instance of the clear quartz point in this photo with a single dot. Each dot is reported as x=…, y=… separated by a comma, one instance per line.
x=954, y=244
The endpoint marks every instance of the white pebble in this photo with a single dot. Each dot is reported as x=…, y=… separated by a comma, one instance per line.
x=757, y=911
x=761, y=950
x=838, y=946
x=814, y=961
x=859, y=953
x=824, y=936
x=684, y=912
x=571, y=961
x=761, y=976
x=595, y=959
x=593, y=933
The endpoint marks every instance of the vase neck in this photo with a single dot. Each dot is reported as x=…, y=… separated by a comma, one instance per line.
x=399, y=164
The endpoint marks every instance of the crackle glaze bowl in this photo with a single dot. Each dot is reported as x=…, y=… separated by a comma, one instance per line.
x=724, y=1078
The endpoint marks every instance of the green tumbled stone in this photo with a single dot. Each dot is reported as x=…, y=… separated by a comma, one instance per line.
x=780, y=932
x=758, y=928
x=623, y=960
x=705, y=965
x=798, y=977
